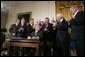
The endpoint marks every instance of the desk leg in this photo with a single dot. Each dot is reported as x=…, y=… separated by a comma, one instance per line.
x=10, y=51
x=41, y=50
x=37, y=51
x=16, y=51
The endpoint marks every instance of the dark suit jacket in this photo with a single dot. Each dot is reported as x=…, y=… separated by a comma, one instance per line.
x=62, y=31
x=62, y=38
x=79, y=19
x=50, y=28
x=22, y=33
x=29, y=30
x=39, y=34
x=13, y=29
x=77, y=26
x=47, y=34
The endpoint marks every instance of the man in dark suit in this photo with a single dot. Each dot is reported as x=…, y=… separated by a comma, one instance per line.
x=47, y=28
x=14, y=28
x=29, y=29
x=62, y=37
x=54, y=32
x=37, y=32
x=77, y=29
x=47, y=31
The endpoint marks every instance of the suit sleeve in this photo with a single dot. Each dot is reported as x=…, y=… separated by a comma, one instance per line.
x=63, y=26
x=11, y=28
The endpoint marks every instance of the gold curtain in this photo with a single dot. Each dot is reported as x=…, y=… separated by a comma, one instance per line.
x=63, y=7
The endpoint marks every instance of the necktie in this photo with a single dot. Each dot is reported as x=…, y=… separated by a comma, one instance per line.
x=35, y=33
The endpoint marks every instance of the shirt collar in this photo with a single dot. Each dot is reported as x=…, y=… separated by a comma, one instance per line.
x=36, y=31
x=61, y=20
x=75, y=13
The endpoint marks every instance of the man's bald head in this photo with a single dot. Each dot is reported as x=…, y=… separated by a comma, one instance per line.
x=59, y=16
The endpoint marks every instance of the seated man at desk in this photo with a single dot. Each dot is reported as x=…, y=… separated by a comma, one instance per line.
x=36, y=33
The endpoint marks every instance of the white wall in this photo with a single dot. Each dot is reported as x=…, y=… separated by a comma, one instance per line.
x=4, y=16
x=39, y=9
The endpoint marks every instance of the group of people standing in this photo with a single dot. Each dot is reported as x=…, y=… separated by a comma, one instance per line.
x=21, y=28
x=55, y=35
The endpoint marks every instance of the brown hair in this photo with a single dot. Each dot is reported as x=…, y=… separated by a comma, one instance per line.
x=47, y=18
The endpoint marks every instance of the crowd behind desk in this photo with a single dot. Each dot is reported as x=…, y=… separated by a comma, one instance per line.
x=29, y=43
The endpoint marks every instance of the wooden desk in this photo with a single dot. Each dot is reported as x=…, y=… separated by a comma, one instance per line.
x=27, y=43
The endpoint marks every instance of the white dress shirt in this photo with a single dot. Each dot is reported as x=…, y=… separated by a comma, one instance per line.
x=36, y=32
x=75, y=13
x=61, y=20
